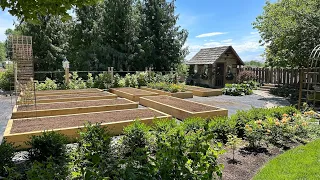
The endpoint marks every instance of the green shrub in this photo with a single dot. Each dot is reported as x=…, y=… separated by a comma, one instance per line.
x=254, y=133
x=103, y=81
x=7, y=151
x=94, y=157
x=76, y=82
x=237, y=89
x=7, y=79
x=90, y=81
x=49, y=144
x=287, y=91
x=221, y=127
x=47, y=85
x=116, y=81
x=142, y=78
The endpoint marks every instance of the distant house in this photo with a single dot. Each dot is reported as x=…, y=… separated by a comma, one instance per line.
x=214, y=67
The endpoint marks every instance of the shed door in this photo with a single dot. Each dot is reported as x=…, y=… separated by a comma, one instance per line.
x=219, y=75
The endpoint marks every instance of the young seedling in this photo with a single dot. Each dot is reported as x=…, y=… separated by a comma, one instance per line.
x=233, y=142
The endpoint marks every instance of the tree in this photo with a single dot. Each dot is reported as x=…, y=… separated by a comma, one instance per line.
x=160, y=38
x=255, y=63
x=30, y=10
x=290, y=29
x=2, y=51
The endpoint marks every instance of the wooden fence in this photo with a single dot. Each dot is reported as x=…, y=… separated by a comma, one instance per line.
x=284, y=76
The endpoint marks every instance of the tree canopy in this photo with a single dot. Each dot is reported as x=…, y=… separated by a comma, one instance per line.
x=255, y=63
x=30, y=9
x=290, y=29
x=2, y=51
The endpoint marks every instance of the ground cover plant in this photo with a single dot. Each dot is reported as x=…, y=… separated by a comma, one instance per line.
x=237, y=89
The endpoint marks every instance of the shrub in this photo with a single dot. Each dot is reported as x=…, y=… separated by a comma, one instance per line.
x=116, y=81
x=47, y=85
x=246, y=76
x=237, y=89
x=7, y=79
x=7, y=151
x=49, y=144
x=254, y=133
x=76, y=82
x=103, y=81
x=287, y=91
x=233, y=143
x=221, y=127
x=90, y=81
x=142, y=78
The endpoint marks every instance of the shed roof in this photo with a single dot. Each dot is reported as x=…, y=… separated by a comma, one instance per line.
x=210, y=55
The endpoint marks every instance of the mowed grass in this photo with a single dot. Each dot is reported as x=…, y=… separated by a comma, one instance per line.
x=302, y=163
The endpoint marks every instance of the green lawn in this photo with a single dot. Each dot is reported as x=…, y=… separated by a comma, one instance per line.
x=302, y=162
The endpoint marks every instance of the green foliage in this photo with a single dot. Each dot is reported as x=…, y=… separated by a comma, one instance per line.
x=254, y=63
x=47, y=85
x=245, y=76
x=116, y=81
x=7, y=151
x=49, y=144
x=94, y=157
x=254, y=133
x=237, y=89
x=7, y=79
x=76, y=82
x=2, y=52
x=183, y=70
x=221, y=127
x=142, y=78
x=103, y=80
x=173, y=88
x=290, y=28
x=90, y=82
x=233, y=143
x=287, y=91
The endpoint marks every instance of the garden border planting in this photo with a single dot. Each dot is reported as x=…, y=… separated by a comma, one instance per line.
x=133, y=96
x=65, y=98
x=182, y=113
x=76, y=110
x=69, y=91
x=182, y=95
x=204, y=92
x=114, y=128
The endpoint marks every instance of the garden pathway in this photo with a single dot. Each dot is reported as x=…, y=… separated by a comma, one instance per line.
x=234, y=103
x=6, y=106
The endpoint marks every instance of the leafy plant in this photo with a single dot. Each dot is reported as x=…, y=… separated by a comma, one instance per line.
x=237, y=89
x=76, y=82
x=103, y=80
x=221, y=127
x=254, y=133
x=233, y=143
x=7, y=151
x=49, y=144
x=142, y=78
x=90, y=81
x=47, y=85
x=173, y=88
x=246, y=76
x=116, y=81
x=7, y=79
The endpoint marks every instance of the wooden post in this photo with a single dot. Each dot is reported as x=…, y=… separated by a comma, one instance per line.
x=111, y=73
x=66, y=75
x=300, y=88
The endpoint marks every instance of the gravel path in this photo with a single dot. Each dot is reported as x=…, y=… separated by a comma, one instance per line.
x=5, y=112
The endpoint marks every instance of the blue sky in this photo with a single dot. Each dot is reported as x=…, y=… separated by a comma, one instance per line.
x=210, y=23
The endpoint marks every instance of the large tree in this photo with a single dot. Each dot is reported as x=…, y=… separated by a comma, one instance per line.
x=290, y=29
x=161, y=39
x=2, y=52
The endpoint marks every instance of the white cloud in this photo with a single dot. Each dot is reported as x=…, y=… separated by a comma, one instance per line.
x=210, y=34
x=253, y=33
x=227, y=41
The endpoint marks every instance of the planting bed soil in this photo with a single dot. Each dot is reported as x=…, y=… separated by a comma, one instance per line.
x=180, y=108
x=204, y=92
x=182, y=95
x=73, y=97
x=70, y=91
x=133, y=94
x=19, y=130
x=72, y=107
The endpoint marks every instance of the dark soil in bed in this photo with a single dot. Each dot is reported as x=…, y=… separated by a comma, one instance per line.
x=48, y=123
x=61, y=105
x=182, y=104
x=75, y=95
x=135, y=91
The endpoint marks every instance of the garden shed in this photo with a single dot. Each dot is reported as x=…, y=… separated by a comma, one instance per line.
x=214, y=67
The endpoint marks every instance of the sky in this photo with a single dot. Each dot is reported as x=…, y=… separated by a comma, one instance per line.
x=210, y=23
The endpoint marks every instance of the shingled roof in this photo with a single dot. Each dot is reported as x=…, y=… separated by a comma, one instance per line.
x=210, y=55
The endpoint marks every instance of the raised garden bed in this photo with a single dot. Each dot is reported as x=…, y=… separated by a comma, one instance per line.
x=133, y=94
x=182, y=95
x=72, y=107
x=69, y=91
x=181, y=108
x=70, y=97
x=204, y=92
x=18, y=131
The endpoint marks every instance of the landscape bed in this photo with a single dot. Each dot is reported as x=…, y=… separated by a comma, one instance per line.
x=70, y=97
x=19, y=131
x=133, y=94
x=181, y=108
x=204, y=92
x=182, y=95
x=72, y=107
x=71, y=91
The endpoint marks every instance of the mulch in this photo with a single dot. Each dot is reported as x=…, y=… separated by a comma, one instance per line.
x=247, y=162
x=48, y=123
x=182, y=104
x=70, y=91
x=135, y=91
x=61, y=105
x=75, y=95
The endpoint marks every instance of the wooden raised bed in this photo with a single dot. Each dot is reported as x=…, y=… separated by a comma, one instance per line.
x=204, y=92
x=69, y=91
x=70, y=97
x=182, y=109
x=18, y=131
x=182, y=95
x=133, y=94
x=72, y=107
